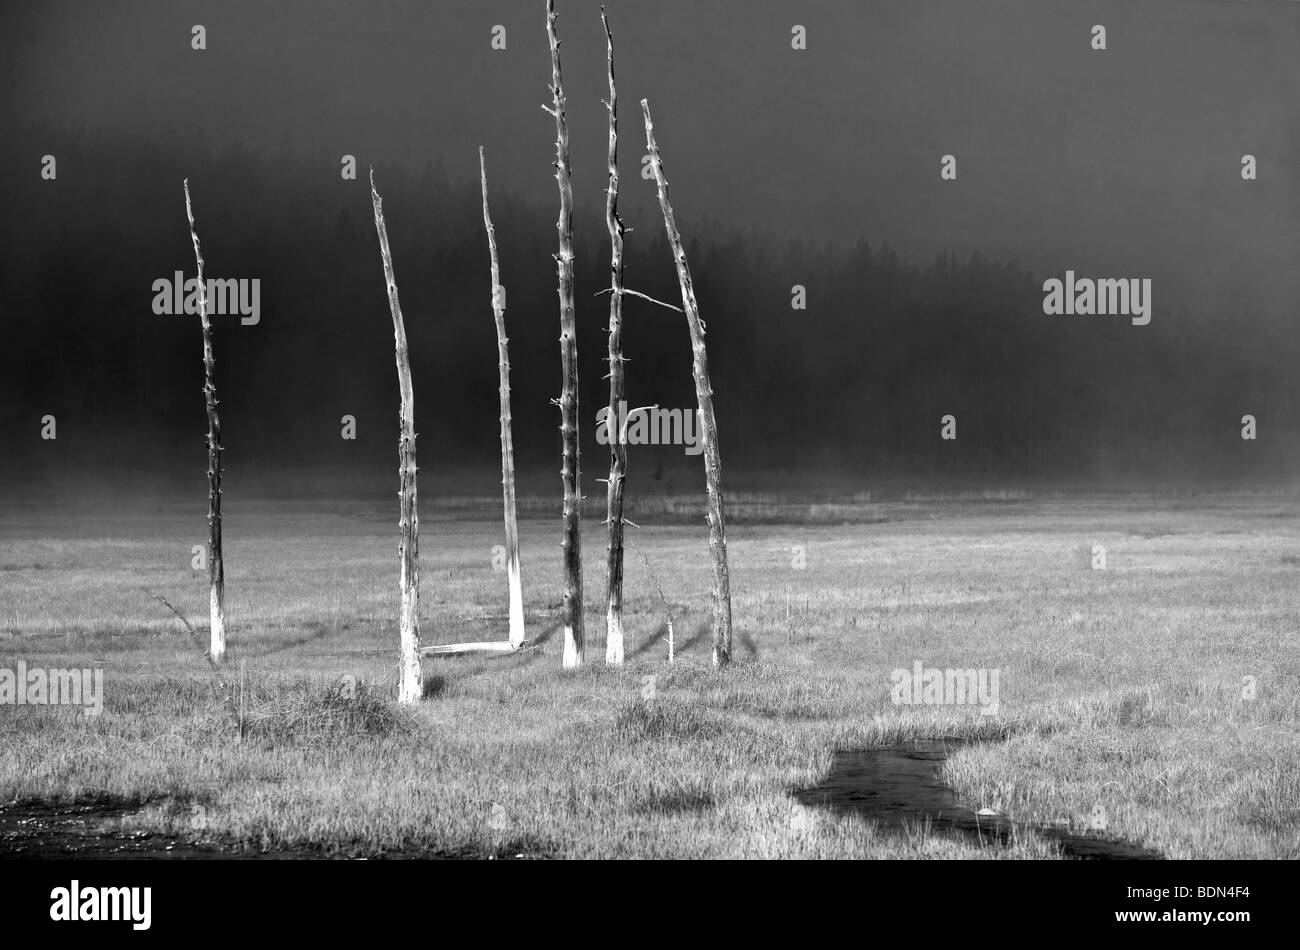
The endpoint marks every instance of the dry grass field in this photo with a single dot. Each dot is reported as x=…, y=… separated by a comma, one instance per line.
x=1121, y=687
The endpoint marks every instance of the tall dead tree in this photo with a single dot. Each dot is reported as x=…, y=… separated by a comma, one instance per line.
x=410, y=687
x=617, y=385
x=507, y=440
x=216, y=563
x=570, y=474
x=704, y=396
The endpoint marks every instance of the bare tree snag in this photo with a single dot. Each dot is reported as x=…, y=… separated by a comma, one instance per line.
x=216, y=563
x=507, y=441
x=410, y=686
x=570, y=473
x=708, y=424
x=617, y=386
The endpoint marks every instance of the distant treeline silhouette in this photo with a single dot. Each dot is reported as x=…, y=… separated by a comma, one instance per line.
x=855, y=384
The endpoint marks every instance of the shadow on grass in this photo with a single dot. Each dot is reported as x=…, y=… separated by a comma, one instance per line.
x=316, y=631
x=660, y=638
x=548, y=632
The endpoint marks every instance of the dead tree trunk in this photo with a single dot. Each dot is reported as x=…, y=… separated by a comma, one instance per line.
x=410, y=687
x=570, y=473
x=216, y=563
x=617, y=387
x=507, y=441
x=708, y=424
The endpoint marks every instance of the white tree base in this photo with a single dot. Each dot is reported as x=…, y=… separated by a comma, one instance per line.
x=572, y=658
x=516, y=606
x=613, y=639
x=217, y=624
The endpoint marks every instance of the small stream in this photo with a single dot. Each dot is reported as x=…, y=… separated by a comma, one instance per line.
x=898, y=788
x=44, y=830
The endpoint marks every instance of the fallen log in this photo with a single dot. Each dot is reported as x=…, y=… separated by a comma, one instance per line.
x=490, y=647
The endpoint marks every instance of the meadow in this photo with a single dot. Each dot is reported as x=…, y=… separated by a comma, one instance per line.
x=1162, y=687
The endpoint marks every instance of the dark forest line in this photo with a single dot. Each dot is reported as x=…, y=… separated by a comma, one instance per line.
x=855, y=384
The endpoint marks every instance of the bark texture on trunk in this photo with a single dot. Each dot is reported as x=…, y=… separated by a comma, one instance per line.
x=570, y=471
x=216, y=561
x=708, y=424
x=507, y=439
x=617, y=385
x=410, y=686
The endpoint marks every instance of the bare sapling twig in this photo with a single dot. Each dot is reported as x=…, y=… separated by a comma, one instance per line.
x=193, y=634
x=216, y=563
x=617, y=385
x=410, y=687
x=189, y=627
x=708, y=424
x=507, y=440
x=570, y=471
x=669, y=614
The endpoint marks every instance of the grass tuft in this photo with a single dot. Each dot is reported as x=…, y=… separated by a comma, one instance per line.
x=309, y=713
x=639, y=721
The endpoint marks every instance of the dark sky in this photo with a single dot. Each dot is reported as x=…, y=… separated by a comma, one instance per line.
x=1116, y=163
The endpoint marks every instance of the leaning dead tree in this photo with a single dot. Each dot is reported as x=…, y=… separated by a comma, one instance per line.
x=410, y=686
x=216, y=563
x=708, y=424
x=570, y=473
x=507, y=441
x=617, y=387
